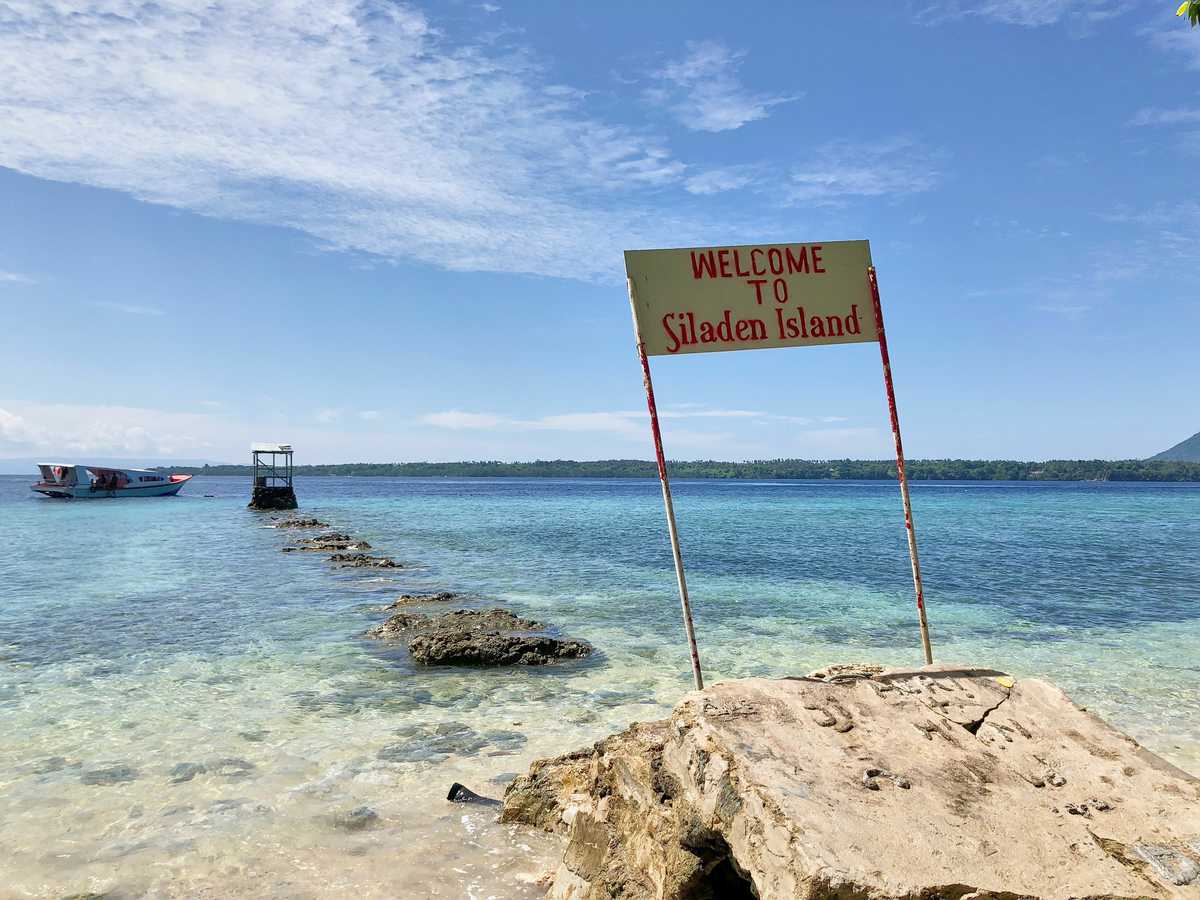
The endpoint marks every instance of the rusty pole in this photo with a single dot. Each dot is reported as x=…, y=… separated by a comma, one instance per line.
x=908, y=517
x=666, y=492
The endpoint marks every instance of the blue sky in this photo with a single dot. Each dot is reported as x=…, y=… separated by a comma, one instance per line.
x=392, y=232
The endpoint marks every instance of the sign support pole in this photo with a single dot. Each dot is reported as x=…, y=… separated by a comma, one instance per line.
x=666, y=492
x=908, y=517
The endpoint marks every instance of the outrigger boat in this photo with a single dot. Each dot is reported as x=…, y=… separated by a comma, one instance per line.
x=84, y=482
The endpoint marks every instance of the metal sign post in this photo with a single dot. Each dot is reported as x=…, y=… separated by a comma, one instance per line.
x=908, y=517
x=666, y=492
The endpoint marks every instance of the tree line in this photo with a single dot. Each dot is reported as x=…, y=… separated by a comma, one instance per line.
x=828, y=469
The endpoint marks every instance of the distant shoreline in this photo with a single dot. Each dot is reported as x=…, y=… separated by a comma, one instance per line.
x=777, y=469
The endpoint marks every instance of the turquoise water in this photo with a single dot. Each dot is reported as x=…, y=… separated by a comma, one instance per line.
x=138, y=638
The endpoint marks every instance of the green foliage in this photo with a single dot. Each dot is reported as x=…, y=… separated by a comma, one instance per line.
x=770, y=469
x=1190, y=8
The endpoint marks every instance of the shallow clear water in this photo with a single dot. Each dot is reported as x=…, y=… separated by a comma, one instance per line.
x=138, y=637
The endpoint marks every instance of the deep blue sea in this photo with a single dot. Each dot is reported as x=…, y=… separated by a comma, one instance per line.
x=186, y=711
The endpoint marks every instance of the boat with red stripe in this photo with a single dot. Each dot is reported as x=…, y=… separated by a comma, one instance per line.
x=84, y=482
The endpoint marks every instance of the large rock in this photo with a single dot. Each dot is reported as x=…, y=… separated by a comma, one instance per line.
x=935, y=783
x=494, y=649
x=478, y=637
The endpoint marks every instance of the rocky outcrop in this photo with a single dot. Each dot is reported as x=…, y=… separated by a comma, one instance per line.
x=494, y=649
x=421, y=599
x=300, y=523
x=934, y=783
x=274, y=497
x=478, y=637
x=363, y=561
x=327, y=543
x=461, y=621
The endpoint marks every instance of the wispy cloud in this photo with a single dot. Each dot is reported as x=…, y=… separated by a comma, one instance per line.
x=359, y=123
x=1179, y=42
x=1029, y=13
x=131, y=309
x=1065, y=310
x=617, y=421
x=15, y=278
x=716, y=181
x=703, y=92
x=1177, y=116
x=841, y=170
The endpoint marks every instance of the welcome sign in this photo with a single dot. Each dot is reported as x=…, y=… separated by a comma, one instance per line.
x=707, y=299
x=753, y=296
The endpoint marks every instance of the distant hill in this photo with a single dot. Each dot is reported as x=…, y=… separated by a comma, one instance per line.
x=1184, y=451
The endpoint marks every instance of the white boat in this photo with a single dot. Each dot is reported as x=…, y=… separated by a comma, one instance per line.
x=93, y=482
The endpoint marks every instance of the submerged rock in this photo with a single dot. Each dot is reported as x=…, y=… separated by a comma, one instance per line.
x=478, y=637
x=111, y=775
x=300, y=523
x=869, y=784
x=186, y=771
x=358, y=819
x=363, y=561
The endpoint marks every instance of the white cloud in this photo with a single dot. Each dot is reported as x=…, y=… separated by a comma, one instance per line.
x=370, y=415
x=1156, y=116
x=702, y=90
x=102, y=431
x=715, y=181
x=615, y=422
x=356, y=122
x=16, y=432
x=457, y=419
x=132, y=309
x=15, y=278
x=1030, y=13
x=327, y=416
x=843, y=169
x=1180, y=41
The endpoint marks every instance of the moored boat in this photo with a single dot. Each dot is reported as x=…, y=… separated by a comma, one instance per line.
x=94, y=482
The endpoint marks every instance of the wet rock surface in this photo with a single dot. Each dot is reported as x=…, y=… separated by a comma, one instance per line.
x=363, y=561
x=420, y=599
x=494, y=649
x=405, y=625
x=933, y=783
x=328, y=542
x=299, y=523
x=479, y=637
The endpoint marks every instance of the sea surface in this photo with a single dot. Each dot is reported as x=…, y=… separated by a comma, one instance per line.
x=186, y=711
